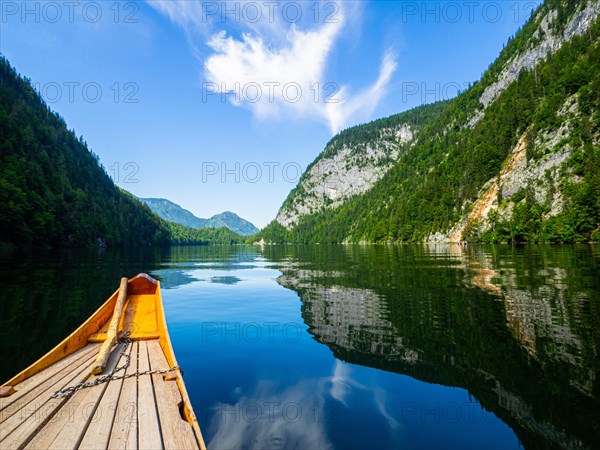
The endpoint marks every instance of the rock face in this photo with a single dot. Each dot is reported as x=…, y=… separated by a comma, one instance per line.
x=545, y=41
x=549, y=42
x=540, y=175
x=359, y=159
x=347, y=172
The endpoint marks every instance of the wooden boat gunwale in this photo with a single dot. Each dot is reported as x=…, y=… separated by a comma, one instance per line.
x=167, y=347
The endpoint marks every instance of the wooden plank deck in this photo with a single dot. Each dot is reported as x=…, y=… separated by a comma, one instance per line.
x=148, y=424
x=8, y=404
x=176, y=432
x=138, y=412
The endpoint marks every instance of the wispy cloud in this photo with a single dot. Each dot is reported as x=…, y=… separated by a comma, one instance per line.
x=277, y=67
x=360, y=106
x=188, y=14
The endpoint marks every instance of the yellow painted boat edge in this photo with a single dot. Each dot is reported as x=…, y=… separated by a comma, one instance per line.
x=167, y=348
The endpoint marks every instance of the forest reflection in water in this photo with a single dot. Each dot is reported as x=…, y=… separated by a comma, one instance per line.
x=519, y=328
x=516, y=327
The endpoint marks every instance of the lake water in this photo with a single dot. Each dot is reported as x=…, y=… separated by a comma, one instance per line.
x=349, y=346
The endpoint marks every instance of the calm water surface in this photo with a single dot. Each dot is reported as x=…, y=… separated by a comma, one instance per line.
x=340, y=347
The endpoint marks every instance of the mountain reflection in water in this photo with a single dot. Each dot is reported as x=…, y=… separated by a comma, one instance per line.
x=397, y=346
x=517, y=329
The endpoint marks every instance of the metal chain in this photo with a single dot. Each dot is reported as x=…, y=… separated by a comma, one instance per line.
x=125, y=339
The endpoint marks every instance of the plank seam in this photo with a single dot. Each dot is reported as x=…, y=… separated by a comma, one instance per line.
x=91, y=416
x=160, y=428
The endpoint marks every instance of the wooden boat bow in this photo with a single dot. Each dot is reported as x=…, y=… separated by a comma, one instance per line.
x=110, y=392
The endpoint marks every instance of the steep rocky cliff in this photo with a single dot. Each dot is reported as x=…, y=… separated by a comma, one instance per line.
x=516, y=157
x=350, y=166
x=545, y=40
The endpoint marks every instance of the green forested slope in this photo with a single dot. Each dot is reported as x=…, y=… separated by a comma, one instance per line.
x=182, y=235
x=435, y=183
x=53, y=191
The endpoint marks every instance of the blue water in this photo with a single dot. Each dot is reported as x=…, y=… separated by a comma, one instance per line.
x=258, y=379
x=349, y=347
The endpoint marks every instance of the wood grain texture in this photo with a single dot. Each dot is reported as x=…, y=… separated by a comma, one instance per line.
x=36, y=382
x=68, y=427
x=176, y=432
x=148, y=426
x=124, y=428
x=113, y=328
x=33, y=417
x=6, y=391
x=98, y=432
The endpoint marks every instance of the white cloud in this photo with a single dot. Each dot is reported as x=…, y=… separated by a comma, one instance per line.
x=360, y=107
x=275, y=68
x=341, y=382
x=187, y=14
x=289, y=77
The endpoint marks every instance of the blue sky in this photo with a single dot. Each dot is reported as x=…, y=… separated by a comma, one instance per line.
x=219, y=105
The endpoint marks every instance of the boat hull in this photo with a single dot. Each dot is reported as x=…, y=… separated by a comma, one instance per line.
x=143, y=405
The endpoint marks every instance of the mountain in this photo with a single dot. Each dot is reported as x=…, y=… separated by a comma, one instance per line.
x=55, y=193
x=52, y=189
x=233, y=222
x=175, y=213
x=515, y=157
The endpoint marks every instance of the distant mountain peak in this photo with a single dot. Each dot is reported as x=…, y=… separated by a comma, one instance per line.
x=173, y=212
